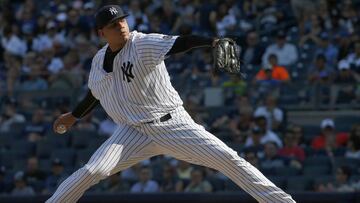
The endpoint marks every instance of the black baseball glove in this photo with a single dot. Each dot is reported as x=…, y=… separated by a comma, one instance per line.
x=226, y=56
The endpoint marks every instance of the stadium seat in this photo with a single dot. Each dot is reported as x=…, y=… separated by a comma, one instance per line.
x=317, y=161
x=298, y=183
x=352, y=163
x=16, y=129
x=287, y=171
x=310, y=131
x=316, y=170
x=58, y=141
x=23, y=148
x=43, y=149
x=83, y=156
x=279, y=181
x=231, y=186
x=95, y=142
x=66, y=155
x=80, y=141
x=45, y=164
x=217, y=184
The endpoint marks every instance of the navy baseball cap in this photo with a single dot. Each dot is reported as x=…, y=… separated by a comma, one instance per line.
x=107, y=14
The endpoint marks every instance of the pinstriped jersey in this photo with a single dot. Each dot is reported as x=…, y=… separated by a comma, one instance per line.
x=138, y=89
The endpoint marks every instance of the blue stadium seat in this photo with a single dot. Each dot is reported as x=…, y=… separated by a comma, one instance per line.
x=6, y=138
x=58, y=141
x=316, y=170
x=317, y=161
x=43, y=149
x=352, y=163
x=279, y=181
x=231, y=186
x=66, y=155
x=217, y=184
x=287, y=171
x=298, y=183
x=23, y=148
x=83, y=156
x=80, y=141
x=45, y=164
x=310, y=131
x=323, y=179
x=95, y=142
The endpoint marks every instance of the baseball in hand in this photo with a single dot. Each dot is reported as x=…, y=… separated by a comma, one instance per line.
x=61, y=129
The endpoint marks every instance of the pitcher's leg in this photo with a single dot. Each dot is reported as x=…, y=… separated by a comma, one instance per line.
x=194, y=144
x=117, y=150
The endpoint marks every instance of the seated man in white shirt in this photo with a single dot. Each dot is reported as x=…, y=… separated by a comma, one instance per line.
x=261, y=130
x=145, y=184
x=286, y=53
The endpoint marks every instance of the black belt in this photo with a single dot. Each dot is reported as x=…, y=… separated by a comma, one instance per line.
x=162, y=119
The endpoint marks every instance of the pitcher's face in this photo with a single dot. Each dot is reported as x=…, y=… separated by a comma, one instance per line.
x=116, y=32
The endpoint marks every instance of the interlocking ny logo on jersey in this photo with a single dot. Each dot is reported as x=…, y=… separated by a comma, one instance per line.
x=113, y=11
x=127, y=71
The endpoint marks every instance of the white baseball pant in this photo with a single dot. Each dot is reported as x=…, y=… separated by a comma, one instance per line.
x=179, y=137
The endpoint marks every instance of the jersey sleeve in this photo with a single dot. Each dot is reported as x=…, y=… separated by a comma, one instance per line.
x=152, y=48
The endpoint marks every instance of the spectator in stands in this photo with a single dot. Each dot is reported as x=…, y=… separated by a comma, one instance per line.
x=56, y=177
x=327, y=48
x=298, y=132
x=37, y=128
x=222, y=20
x=353, y=148
x=132, y=173
x=320, y=79
x=341, y=184
x=273, y=114
x=34, y=176
x=12, y=41
x=168, y=180
x=353, y=59
x=21, y=187
x=35, y=80
x=252, y=157
x=329, y=139
x=197, y=182
x=270, y=78
x=343, y=90
x=261, y=130
x=271, y=158
x=13, y=67
x=254, y=141
x=286, y=53
x=71, y=76
x=320, y=73
x=275, y=71
x=252, y=51
x=145, y=184
x=312, y=28
x=114, y=184
x=10, y=116
x=292, y=151
x=236, y=85
x=183, y=170
x=238, y=121
x=291, y=147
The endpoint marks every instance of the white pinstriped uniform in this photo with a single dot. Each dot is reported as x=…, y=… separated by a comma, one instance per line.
x=148, y=96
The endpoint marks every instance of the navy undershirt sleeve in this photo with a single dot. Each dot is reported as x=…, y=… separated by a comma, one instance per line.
x=187, y=42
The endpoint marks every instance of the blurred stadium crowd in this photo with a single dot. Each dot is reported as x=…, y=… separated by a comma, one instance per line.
x=298, y=55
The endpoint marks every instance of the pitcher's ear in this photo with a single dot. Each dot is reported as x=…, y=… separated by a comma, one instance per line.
x=100, y=33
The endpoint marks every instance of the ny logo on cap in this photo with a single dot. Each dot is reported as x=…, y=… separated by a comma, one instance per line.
x=113, y=11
